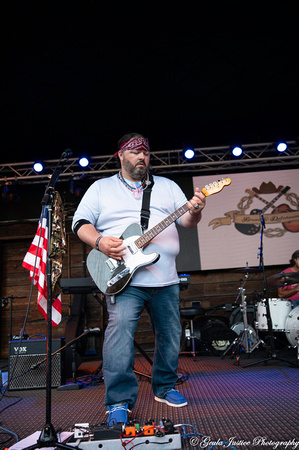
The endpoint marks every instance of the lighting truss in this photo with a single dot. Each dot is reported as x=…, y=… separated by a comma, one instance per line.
x=214, y=160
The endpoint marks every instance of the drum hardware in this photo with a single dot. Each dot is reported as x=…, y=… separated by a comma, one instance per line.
x=190, y=314
x=238, y=328
x=247, y=269
x=237, y=315
x=282, y=278
x=224, y=306
x=247, y=337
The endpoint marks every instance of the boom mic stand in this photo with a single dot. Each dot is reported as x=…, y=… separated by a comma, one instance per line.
x=71, y=344
x=271, y=350
x=48, y=436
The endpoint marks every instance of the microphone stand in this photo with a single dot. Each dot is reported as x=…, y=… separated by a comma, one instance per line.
x=271, y=350
x=48, y=436
x=4, y=302
x=71, y=344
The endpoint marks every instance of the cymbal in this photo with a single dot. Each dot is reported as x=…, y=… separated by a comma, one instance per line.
x=247, y=270
x=283, y=279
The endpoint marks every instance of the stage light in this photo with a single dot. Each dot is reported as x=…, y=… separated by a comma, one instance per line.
x=11, y=193
x=281, y=147
x=83, y=161
x=78, y=186
x=38, y=166
x=189, y=153
x=237, y=151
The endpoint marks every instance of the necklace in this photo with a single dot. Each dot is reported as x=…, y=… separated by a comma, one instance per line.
x=136, y=190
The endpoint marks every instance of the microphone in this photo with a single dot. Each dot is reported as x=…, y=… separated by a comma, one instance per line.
x=68, y=152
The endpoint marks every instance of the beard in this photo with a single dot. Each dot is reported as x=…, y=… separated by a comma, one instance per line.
x=137, y=173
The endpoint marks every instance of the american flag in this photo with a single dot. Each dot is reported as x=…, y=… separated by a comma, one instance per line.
x=35, y=260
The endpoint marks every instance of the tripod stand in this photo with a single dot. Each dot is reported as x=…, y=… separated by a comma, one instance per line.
x=271, y=351
x=247, y=336
x=48, y=436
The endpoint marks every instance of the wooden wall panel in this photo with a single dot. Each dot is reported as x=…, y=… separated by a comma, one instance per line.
x=211, y=288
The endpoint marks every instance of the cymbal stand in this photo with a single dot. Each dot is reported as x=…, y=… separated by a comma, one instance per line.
x=245, y=335
x=271, y=349
x=245, y=332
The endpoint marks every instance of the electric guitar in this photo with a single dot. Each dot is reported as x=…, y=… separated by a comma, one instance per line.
x=110, y=275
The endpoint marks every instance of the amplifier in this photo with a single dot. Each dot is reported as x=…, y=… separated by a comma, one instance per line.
x=23, y=369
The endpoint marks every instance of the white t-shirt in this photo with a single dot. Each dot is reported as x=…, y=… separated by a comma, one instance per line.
x=111, y=207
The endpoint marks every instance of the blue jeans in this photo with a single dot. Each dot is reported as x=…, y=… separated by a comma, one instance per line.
x=118, y=349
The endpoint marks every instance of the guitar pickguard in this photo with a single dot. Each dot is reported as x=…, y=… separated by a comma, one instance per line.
x=110, y=275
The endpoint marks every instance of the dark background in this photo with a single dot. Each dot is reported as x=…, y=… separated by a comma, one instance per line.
x=80, y=74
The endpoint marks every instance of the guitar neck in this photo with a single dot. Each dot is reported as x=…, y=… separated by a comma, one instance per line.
x=143, y=240
x=209, y=189
x=268, y=204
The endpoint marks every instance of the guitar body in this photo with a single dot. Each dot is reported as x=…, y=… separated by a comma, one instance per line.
x=289, y=226
x=112, y=276
x=249, y=229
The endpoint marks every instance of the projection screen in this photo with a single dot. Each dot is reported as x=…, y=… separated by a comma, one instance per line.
x=257, y=214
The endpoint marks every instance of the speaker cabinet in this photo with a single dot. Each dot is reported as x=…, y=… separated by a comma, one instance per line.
x=24, y=371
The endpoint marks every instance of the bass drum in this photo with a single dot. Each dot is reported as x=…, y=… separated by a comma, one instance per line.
x=292, y=327
x=238, y=328
x=216, y=337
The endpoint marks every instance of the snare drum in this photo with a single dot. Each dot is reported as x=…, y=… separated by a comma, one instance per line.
x=292, y=327
x=279, y=310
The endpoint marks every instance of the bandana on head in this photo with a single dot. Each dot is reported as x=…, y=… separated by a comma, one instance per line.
x=136, y=143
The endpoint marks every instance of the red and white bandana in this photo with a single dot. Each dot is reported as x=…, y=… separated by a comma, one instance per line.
x=136, y=143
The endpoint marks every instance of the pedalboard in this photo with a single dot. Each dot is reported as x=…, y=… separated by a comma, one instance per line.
x=149, y=436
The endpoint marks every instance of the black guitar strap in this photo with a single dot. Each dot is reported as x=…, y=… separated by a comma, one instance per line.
x=145, y=209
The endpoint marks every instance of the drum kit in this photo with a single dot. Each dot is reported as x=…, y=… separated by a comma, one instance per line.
x=289, y=321
x=274, y=315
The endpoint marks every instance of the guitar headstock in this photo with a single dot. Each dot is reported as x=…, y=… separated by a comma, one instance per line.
x=215, y=187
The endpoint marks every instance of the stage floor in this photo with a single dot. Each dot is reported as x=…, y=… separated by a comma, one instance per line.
x=249, y=407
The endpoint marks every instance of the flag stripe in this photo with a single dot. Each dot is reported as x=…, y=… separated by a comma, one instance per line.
x=35, y=261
